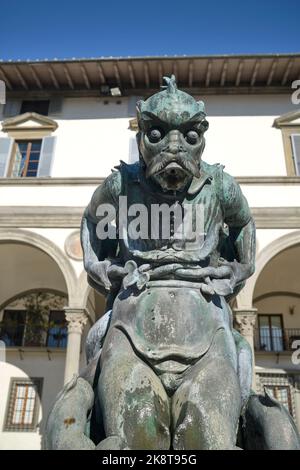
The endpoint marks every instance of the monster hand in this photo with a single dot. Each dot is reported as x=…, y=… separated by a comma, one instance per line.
x=216, y=280
x=239, y=271
x=136, y=275
x=107, y=273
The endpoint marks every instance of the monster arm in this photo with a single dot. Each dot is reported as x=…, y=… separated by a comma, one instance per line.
x=244, y=244
x=95, y=266
x=241, y=226
x=98, y=253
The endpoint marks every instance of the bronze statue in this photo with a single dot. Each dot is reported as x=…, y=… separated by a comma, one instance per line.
x=166, y=368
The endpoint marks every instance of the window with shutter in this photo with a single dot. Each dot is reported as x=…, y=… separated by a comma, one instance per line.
x=29, y=150
x=31, y=158
x=289, y=124
x=295, y=139
x=26, y=158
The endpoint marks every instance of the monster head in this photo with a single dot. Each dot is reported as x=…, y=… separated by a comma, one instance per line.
x=171, y=136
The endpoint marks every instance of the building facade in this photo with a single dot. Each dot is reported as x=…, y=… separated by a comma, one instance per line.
x=64, y=126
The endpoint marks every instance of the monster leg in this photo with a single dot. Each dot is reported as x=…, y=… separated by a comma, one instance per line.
x=133, y=402
x=206, y=407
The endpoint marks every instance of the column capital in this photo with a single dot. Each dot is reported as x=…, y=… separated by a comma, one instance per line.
x=76, y=318
x=245, y=319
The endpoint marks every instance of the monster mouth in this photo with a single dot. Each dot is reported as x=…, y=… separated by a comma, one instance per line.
x=176, y=165
x=173, y=176
x=175, y=170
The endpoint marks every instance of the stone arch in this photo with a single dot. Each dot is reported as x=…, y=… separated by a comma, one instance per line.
x=35, y=240
x=28, y=292
x=83, y=288
x=245, y=297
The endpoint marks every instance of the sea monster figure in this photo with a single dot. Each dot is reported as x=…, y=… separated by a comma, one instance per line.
x=166, y=369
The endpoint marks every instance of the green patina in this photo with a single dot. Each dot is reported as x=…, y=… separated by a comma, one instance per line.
x=173, y=373
x=171, y=105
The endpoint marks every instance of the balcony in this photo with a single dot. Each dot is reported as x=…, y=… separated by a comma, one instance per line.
x=276, y=339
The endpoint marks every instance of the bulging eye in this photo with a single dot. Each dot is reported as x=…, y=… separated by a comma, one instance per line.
x=191, y=137
x=155, y=135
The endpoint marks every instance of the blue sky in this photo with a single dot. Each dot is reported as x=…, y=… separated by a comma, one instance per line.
x=93, y=28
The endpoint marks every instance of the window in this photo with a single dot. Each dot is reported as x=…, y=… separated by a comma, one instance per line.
x=28, y=150
x=26, y=158
x=271, y=332
x=57, y=330
x=282, y=387
x=12, y=327
x=23, y=404
x=18, y=328
x=282, y=394
x=15, y=106
x=289, y=124
x=36, y=106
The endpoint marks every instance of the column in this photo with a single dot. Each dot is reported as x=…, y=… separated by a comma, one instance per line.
x=244, y=320
x=76, y=318
x=297, y=402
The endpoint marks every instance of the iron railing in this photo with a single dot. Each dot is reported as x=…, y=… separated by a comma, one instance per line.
x=23, y=335
x=277, y=339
